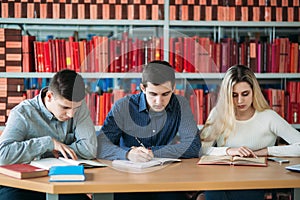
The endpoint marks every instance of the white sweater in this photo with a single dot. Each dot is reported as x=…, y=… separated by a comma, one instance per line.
x=260, y=131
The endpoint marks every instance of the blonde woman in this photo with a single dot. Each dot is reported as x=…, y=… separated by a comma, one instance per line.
x=242, y=124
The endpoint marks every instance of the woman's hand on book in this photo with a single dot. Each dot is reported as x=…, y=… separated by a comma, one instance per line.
x=262, y=152
x=241, y=151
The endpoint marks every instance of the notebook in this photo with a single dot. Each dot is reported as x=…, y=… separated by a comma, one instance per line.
x=294, y=168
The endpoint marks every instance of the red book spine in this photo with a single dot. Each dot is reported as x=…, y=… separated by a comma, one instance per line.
x=97, y=109
x=68, y=55
x=62, y=44
x=94, y=53
x=83, y=58
x=90, y=55
x=185, y=54
x=122, y=56
x=134, y=57
x=53, y=55
x=298, y=102
x=294, y=58
x=107, y=102
x=274, y=64
x=178, y=56
x=141, y=56
x=39, y=57
x=171, y=51
x=117, y=58
x=112, y=56
x=58, y=57
x=76, y=56
x=218, y=57
x=129, y=54
x=47, y=56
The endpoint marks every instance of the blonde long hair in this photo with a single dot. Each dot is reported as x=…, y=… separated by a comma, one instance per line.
x=222, y=120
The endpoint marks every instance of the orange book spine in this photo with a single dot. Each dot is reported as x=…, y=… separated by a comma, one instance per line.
x=4, y=10
x=172, y=12
x=142, y=12
x=106, y=11
x=196, y=13
x=101, y=110
x=155, y=12
x=17, y=10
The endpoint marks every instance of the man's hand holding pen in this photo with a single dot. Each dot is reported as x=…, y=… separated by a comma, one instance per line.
x=140, y=154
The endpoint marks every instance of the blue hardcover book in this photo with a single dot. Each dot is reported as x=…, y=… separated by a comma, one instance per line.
x=69, y=173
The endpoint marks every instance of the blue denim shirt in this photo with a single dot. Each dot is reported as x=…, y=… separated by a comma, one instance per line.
x=30, y=128
x=171, y=133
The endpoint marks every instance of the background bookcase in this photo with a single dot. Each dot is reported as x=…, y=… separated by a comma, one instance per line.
x=165, y=28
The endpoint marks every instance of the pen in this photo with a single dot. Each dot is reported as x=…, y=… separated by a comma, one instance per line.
x=140, y=142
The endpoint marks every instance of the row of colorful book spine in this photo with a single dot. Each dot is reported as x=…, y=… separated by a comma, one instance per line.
x=187, y=54
x=234, y=13
x=279, y=3
x=154, y=10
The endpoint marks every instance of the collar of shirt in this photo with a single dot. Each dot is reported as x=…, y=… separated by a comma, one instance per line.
x=43, y=108
x=143, y=103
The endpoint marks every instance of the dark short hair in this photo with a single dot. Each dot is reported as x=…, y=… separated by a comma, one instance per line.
x=68, y=84
x=158, y=72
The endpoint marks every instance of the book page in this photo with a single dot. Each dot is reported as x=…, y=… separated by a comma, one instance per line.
x=215, y=159
x=85, y=163
x=141, y=165
x=247, y=160
x=46, y=163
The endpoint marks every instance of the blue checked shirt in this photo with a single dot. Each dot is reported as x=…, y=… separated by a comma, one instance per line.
x=172, y=133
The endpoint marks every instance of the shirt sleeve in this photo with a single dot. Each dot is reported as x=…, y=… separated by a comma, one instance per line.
x=85, y=144
x=109, y=138
x=15, y=147
x=283, y=129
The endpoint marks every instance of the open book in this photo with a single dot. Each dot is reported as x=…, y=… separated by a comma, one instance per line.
x=232, y=160
x=46, y=163
x=142, y=165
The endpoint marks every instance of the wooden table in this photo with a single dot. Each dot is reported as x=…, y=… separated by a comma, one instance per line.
x=184, y=176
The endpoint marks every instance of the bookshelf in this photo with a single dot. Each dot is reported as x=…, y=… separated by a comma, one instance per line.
x=260, y=76
x=165, y=28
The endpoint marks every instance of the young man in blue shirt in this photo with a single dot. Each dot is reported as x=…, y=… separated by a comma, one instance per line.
x=153, y=123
